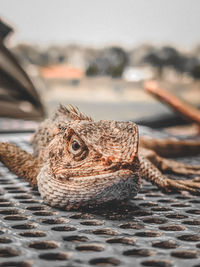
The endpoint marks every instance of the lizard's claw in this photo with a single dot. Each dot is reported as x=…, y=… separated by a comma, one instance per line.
x=192, y=185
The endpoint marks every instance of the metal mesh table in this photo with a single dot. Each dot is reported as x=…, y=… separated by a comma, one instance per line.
x=154, y=229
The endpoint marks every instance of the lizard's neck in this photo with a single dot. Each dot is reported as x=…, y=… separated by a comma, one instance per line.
x=86, y=191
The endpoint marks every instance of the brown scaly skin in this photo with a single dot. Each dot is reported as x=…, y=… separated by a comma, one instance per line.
x=78, y=162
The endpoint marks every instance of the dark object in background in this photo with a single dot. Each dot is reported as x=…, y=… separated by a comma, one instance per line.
x=110, y=61
x=195, y=71
x=163, y=57
x=4, y=30
x=161, y=121
x=18, y=96
x=168, y=56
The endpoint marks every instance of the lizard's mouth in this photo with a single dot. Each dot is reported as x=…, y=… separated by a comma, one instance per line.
x=121, y=168
x=126, y=167
x=119, y=174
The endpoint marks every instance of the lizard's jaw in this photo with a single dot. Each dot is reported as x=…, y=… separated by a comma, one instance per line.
x=106, y=166
x=75, y=192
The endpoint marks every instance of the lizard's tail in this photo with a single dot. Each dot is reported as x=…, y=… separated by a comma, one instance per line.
x=19, y=162
x=171, y=147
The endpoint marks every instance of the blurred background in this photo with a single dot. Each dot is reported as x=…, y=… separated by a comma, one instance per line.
x=96, y=55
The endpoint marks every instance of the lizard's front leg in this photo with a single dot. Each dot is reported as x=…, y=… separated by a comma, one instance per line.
x=153, y=175
x=168, y=165
x=20, y=162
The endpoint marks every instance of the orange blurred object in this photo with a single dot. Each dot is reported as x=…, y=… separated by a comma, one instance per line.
x=61, y=72
x=187, y=111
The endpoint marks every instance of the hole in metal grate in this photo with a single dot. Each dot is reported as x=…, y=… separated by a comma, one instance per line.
x=16, y=191
x=5, y=240
x=185, y=254
x=105, y=231
x=62, y=256
x=90, y=247
x=181, y=205
x=182, y=197
x=15, y=264
x=33, y=234
x=191, y=222
x=12, y=188
x=131, y=225
x=25, y=226
x=36, y=208
x=15, y=218
x=148, y=204
x=155, y=220
x=105, y=261
x=166, y=244
x=55, y=221
x=92, y=222
x=81, y=216
x=172, y=228
x=122, y=240
x=196, y=201
x=6, y=204
x=44, y=213
x=3, y=200
x=157, y=263
x=139, y=252
x=148, y=233
x=76, y=238
x=2, y=231
x=10, y=212
x=163, y=209
x=6, y=182
x=43, y=245
x=22, y=197
x=176, y=216
x=64, y=228
x=189, y=238
x=30, y=201
x=194, y=211
x=154, y=195
x=9, y=252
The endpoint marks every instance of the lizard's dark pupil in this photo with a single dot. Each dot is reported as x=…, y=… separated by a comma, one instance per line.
x=75, y=145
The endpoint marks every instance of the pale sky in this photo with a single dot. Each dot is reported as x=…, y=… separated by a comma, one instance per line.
x=103, y=22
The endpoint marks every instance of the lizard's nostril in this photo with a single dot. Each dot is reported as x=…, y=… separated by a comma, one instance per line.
x=107, y=161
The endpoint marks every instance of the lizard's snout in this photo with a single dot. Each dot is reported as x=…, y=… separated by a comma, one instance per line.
x=125, y=162
x=107, y=161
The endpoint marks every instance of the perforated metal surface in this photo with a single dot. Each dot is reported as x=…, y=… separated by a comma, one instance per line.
x=154, y=229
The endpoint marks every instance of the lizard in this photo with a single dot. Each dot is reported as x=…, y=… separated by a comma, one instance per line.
x=78, y=162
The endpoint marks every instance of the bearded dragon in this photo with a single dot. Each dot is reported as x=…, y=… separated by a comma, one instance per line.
x=79, y=162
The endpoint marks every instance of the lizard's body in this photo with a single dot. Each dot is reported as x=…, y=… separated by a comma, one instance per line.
x=78, y=162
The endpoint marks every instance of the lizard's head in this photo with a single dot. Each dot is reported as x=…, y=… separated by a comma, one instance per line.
x=94, y=161
x=85, y=148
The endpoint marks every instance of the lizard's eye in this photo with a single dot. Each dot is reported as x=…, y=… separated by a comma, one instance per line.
x=75, y=145
x=77, y=148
